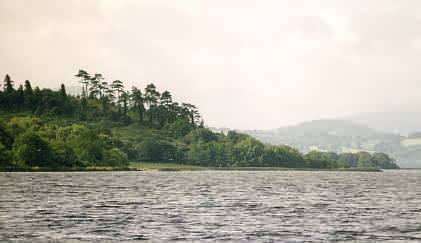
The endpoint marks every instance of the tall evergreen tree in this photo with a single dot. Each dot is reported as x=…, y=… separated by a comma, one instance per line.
x=62, y=92
x=28, y=88
x=138, y=101
x=28, y=95
x=109, y=91
x=118, y=87
x=85, y=79
x=125, y=101
x=151, y=99
x=102, y=86
x=166, y=99
x=19, y=97
x=8, y=85
x=96, y=85
x=37, y=98
x=103, y=89
x=191, y=112
x=165, y=113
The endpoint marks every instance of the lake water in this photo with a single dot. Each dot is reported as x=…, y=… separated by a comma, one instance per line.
x=211, y=206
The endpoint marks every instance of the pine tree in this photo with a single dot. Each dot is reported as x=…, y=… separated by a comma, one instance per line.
x=28, y=103
x=118, y=87
x=165, y=111
x=8, y=85
x=125, y=101
x=85, y=79
x=62, y=92
x=20, y=97
x=138, y=101
x=151, y=99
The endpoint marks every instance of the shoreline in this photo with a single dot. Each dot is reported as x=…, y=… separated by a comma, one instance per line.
x=177, y=167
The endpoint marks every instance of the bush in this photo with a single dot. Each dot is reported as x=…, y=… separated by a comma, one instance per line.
x=155, y=150
x=200, y=135
x=64, y=155
x=19, y=125
x=179, y=128
x=116, y=157
x=5, y=156
x=30, y=149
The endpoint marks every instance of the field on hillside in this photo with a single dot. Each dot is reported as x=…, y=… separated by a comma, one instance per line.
x=411, y=142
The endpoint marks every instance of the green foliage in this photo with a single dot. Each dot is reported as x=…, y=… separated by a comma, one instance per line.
x=5, y=138
x=108, y=126
x=179, y=128
x=5, y=156
x=364, y=160
x=317, y=159
x=8, y=85
x=115, y=157
x=343, y=137
x=30, y=149
x=151, y=149
x=200, y=135
x=19, y=125
x=64, y=155
x=351, y=159
x=283, y=156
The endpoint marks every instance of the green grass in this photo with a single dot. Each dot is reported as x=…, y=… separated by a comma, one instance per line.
x=411, y=142
x=163, y=166
x=64, y=169
x=354, y=150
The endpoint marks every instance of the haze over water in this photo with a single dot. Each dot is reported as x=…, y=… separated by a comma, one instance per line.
x=211, y=206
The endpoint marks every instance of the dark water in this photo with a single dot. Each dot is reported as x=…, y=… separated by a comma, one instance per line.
x=211, y=206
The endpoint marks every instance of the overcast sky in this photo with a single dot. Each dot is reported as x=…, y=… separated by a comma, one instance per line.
x=245, y=64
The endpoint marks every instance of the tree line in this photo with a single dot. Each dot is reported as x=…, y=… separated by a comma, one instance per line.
x=99, y=99
x=107, y=125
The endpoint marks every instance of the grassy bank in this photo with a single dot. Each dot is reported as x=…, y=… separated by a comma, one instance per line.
x=180, y=167
x=154, y=166
x=65, y=169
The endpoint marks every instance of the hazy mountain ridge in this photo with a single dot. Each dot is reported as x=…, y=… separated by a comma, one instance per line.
x=403, y=123
x=343, y=136
x=326, y=134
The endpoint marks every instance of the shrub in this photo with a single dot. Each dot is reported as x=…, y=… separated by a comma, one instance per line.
x=30, y=149
x=116, y=157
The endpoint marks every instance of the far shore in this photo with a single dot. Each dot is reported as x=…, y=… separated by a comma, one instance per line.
x=153, y=166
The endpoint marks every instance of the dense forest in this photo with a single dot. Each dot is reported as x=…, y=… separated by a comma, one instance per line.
x=108, y=125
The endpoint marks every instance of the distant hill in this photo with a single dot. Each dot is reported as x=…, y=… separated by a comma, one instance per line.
x=343, y=136
x=327, y=134
x=403, y=123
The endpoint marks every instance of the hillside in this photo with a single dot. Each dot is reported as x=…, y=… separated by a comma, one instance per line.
x=343, y=136
x=109, y=126
x=403, y=123
x=330, y=135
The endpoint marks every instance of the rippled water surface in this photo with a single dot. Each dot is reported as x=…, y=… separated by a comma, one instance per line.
x=211, y=206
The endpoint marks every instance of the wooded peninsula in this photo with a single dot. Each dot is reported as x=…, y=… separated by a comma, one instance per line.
x=108, y=125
